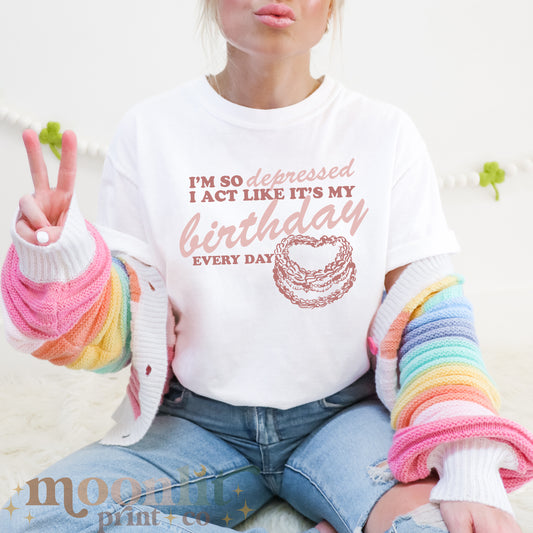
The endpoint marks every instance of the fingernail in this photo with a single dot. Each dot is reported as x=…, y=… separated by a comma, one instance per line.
x=42, y=237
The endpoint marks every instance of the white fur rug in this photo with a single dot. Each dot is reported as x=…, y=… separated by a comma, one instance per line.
x=45, y=418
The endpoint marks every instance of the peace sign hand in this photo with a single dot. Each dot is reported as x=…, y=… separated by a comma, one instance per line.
x=42, y=214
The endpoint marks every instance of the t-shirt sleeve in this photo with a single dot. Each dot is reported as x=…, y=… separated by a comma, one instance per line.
x=417, y=225
x=120, y=211
x=118, y=199
x=118, y=203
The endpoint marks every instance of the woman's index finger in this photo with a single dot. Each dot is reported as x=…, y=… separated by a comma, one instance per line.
x=39, y=173
x=67, y=168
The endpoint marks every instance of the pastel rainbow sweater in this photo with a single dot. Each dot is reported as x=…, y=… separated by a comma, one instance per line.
x=75, y=304
x=91, y=301
x=443, y=403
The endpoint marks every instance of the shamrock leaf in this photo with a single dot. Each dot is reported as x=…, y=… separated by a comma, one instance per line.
x=492, y=174
x=51, y=136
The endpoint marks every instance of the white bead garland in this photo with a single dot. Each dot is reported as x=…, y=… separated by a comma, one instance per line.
x=91, y=149
x=98, y=151
x=527, y=164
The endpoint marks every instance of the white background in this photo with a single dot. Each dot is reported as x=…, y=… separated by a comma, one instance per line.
x=461, y=68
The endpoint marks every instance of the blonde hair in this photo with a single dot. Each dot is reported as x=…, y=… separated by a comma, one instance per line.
x=209, y=27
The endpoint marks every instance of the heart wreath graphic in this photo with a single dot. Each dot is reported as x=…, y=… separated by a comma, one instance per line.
x=290, y=276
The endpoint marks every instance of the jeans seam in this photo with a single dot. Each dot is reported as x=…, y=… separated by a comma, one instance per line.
x=185, y=483
x=330, y=503
x=276, y=425
x=256, y=416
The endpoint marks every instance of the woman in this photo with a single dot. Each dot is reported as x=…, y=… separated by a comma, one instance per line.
x=272, y=207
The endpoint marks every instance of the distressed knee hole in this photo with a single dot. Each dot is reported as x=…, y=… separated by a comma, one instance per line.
x=427, y=515
x=380, y=472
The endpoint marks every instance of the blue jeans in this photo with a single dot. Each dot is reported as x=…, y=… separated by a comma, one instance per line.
x=205, y=465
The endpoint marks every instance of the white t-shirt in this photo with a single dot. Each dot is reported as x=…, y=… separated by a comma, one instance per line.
x=274, y=230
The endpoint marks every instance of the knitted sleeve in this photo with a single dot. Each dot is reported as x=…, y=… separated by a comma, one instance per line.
x=70, y=302
x=430, y=374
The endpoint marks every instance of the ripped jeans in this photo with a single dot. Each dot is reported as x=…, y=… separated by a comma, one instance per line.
x=205, y=466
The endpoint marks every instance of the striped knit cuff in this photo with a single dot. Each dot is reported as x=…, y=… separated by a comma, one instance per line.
x=469, y=471
x=61, y=261
x=413, y=280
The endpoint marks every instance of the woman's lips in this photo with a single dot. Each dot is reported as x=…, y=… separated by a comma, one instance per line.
x=276, y=15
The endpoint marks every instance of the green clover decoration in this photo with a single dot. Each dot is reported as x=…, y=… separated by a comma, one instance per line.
x=51, y=136
x=492, y=174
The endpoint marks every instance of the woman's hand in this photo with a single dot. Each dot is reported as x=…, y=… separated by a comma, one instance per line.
x=45, y=211
x=470, y=517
